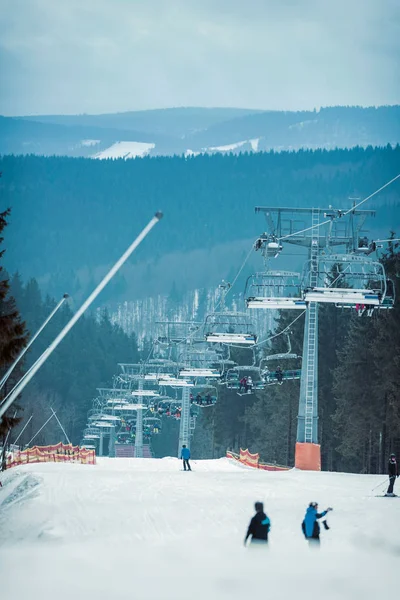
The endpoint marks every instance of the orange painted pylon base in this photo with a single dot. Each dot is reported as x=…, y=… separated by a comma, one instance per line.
x=307, y=456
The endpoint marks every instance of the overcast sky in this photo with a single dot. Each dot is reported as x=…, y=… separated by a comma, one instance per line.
x=94, y=56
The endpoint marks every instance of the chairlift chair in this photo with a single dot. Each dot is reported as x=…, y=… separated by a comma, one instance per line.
x=274, y=290
x=277, y=375
x=230, y=328
x=235, y=379
x=203, y=395
x=345, y=289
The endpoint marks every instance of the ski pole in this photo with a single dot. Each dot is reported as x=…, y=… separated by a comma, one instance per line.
x=380, y=485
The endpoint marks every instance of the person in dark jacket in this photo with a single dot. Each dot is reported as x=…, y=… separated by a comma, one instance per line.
x=279, y=375
x=393, y=471
x=259, y=526
x=310, y=525
x=185, y=455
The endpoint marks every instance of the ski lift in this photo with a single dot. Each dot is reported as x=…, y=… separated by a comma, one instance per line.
x=244, y=379
x=365, y=246
x=91, y=432
x=152, y=424
x=209, y=358
x=352, y=270
x=174, y=382
x=188, y=372
x=277, y=375
x=274, y=290
x=203, y=395
x=368, y=309
x=205, y=357
x=176, y=332
x=167, y=406
x=145, y=393
x=230, y=328
x=269, y=245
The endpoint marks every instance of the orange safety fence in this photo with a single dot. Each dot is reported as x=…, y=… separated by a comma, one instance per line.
x=58, y=453
x=253, y=460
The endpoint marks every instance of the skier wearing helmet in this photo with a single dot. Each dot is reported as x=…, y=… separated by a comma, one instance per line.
x=310, y=525
x=393, y=471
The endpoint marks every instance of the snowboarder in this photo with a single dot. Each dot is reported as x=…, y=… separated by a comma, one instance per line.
x=393, y=471
x=259, y=526
x=185, y=455
x=279, y=375
x=310, y=525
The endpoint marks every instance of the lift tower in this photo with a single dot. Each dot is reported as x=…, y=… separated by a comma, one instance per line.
x=179, y=336
x=305, y=227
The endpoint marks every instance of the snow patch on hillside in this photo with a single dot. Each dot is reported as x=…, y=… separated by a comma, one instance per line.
x=126, y=150
x=237, y=146
x=190, y=152
x=254, y=144
x=90, y=142
x=227, y=148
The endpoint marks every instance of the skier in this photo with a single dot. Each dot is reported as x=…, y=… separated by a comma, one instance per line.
x=279, y=375
x=185, y=455
x=259, y=526
x=310, y=525
x=249, y=385
x=393, y=473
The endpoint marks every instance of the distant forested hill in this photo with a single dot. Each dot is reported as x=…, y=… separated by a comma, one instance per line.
x=177, y=131
x=73, y=217
x=174, y=122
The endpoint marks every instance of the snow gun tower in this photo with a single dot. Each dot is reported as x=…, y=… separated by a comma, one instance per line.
x=304, y=227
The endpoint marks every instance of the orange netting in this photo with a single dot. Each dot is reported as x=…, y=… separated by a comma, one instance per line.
x=58, y=453
x=253, y=460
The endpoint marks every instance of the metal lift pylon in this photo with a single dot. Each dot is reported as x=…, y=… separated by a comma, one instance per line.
x=308, y=451
x=184, y=427
x=139, y=424
x=284, y=226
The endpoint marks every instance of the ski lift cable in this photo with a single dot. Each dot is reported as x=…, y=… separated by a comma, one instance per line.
x=280, y=332
x=371, y=195
x=289, y=235
x=238, y=273
x=219, y=302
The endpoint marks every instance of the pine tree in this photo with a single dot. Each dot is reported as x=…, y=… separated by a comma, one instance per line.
x=13, y=336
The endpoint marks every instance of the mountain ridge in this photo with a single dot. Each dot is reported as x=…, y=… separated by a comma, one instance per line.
x=184, y=131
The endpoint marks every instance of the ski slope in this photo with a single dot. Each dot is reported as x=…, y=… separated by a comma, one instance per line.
x=143, y=529
x=126, y=150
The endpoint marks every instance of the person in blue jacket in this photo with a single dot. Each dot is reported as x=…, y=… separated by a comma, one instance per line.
x=310, y=525
x=185, y=455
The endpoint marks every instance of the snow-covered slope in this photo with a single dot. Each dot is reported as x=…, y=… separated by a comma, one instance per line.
x=142, y=528
x=125, y=150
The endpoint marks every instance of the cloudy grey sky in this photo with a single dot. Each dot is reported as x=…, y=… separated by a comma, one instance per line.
x=93, y=56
